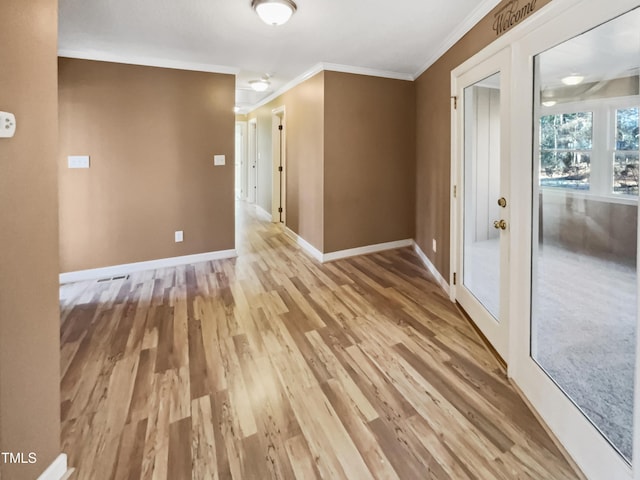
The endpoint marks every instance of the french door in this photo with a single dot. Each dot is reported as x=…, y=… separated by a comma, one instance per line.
x=481, y=191
x=554, y=287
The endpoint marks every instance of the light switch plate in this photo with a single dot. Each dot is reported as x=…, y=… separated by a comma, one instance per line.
x=179, y=236
x=7, y=125
x=78, y=161
x=218, y=160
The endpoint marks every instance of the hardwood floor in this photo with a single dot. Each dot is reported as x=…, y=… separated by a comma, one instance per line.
x=274, y=366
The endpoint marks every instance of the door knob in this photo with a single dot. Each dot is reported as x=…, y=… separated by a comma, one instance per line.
x=500, y=225
x=502, y=202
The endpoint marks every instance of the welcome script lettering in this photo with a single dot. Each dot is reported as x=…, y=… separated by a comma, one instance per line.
x=511, y=14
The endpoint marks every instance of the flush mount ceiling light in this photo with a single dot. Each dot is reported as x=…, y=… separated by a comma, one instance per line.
x=260, y=85
x=573, y=80
x=274, y=12
x=549, y=103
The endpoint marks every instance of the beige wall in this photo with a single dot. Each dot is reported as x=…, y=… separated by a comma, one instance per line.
x=29, y=316
x=151, y=134
x=304, y=106
x=369, y=161
x=305, y=151
x=433, y=144
x=350, y=159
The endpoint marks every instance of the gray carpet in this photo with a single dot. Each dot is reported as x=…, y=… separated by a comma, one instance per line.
x=586, y=333
x=584, y=318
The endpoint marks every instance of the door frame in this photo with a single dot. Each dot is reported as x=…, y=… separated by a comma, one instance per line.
x=252, y=178
x=279, y=157
x=556, y=22
x=497, y=333
x=243, y=159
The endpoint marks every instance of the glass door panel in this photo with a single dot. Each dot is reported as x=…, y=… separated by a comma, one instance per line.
x=481, y=250
x=585, y=222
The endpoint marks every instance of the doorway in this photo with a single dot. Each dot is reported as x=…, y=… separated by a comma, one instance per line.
x=252, y=170
x=279, y=148
x=241, y=160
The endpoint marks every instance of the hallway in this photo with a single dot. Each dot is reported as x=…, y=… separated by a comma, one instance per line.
x=271, y=365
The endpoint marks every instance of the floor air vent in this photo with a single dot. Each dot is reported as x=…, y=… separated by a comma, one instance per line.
x=119, y=277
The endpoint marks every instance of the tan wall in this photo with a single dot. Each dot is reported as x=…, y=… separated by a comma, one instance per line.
x=151, y=134
x=304, y=106
x=305, y=152
x=29, y=316
x=369, y=164
x=433, y=153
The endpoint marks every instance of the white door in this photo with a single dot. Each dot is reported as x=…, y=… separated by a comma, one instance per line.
x=481, y=197
x=238, y=160
x=252, y=185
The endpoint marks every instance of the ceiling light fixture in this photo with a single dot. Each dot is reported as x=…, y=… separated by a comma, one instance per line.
x=260, y=85
x=573, y=79
x=274, y=12
x=236, y=109
x=549, y=103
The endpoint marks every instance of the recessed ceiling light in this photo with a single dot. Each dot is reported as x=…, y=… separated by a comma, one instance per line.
x=573, y=80
x=259, y=85
x=274, y=12
x=549, y=103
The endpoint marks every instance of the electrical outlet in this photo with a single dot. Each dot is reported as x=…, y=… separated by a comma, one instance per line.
x=435, y=247
x=179, y=236
x=7, y=125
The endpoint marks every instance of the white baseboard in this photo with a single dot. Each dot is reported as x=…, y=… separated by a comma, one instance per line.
x=262, y=213
x=306, y=246
x=354, y=252
x=57, y=470
x=96, y=273
x=431, y=267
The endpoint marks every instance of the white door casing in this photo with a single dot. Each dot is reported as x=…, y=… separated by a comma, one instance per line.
x=279, y=159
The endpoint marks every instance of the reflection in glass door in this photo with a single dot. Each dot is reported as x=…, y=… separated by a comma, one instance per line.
x=585, y=221
x=481, y=250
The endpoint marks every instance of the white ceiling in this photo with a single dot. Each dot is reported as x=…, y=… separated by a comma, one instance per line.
x=611, y=50
x=398, y=38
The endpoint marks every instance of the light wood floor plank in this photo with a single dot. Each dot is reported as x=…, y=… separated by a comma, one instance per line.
x=273, y=366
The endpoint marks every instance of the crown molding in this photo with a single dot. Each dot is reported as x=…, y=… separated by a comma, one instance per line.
x=327, y=67
x=467, y=24
x=370, y=72
x=101, y=56
x=285, y=88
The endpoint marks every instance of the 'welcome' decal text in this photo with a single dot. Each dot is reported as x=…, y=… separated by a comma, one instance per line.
x=512, y=14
